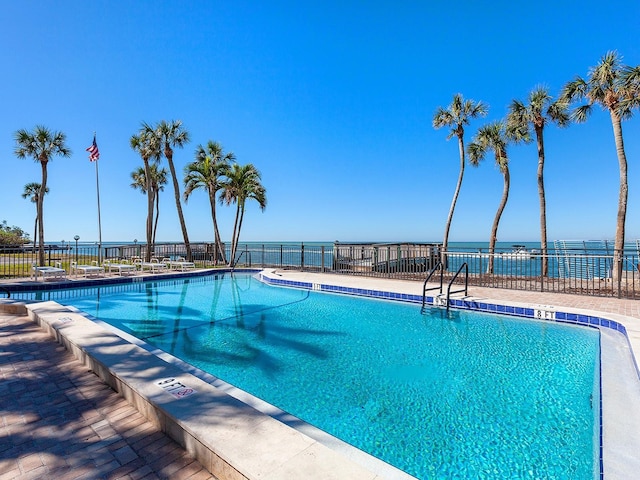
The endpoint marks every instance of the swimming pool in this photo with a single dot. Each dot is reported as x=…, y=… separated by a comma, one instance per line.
x=469, y=395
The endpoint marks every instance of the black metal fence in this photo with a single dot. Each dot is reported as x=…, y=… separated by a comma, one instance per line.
x=580, y=269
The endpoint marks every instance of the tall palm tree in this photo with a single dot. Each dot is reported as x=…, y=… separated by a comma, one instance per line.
x=456, y=116
x=208, y=171
x=539, y=110
x=158, y=181
x=243, y=183
x=172, y=134
x=495, y=137
x=608, y=86
x=41, y=145
x=147, y=145
x=32, y=192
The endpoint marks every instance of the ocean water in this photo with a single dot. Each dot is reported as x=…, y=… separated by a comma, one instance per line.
x=568, y=263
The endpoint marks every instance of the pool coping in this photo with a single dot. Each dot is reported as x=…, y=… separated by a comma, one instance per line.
x=243, y=443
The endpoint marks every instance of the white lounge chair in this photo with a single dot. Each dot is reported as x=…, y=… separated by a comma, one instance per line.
x=87, y=270
x=154, y=266
x=180, y=264
x=57, y=273
x=121, y=268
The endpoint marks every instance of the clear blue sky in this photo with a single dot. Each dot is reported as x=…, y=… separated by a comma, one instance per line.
x=331, y=100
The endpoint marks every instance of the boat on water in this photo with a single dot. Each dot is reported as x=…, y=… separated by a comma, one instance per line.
x=519, y=252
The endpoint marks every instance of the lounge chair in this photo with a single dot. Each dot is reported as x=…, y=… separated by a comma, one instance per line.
x=180, y=264
x=121, y=268
x=87, y=270
x=57, y=273
x=154, y=266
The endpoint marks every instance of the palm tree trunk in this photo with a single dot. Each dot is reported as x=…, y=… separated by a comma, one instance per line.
x=233, y=236
x=622, y=200
x=496, y=221
x=176, y=192
x=43, y=189
x=156, y=196
x=543, y=202
x=239, y=227
x=445, y=242
x=216, y=233
x=35, y=232
x=149, y=232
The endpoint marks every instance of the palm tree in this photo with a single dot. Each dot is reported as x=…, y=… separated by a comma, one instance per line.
x=208, y=171
x=158, y=181
x=41, y=145
x=456, y=116
x=147, y=145
x=608, y=86
x=172, y=134
x=32, y=191
x=540, y=110
x=243, y=183
x=495, y=137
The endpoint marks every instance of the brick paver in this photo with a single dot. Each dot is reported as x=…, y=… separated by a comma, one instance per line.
x=58, y=420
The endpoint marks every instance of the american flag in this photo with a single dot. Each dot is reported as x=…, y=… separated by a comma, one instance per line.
x=94, y=153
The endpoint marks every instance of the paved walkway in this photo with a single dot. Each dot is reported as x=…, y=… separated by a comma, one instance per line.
x=60, y=421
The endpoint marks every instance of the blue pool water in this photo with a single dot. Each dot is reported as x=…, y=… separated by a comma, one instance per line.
x=468, y=395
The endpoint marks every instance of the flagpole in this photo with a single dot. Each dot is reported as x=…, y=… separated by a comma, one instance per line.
x=99, y=225
x=96, y=153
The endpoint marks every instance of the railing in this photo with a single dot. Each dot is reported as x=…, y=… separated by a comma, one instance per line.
x=574, y=271
x=438, y=267
x=464, y=267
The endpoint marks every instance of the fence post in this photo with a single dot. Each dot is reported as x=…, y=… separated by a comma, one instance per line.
x=302, y=256
x=322, y=258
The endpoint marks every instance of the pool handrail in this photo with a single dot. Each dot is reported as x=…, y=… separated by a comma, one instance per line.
x=424, y=285
x=466, y=282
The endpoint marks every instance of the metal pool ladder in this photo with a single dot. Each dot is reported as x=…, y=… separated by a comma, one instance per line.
x=464, y=266
x=424, y=285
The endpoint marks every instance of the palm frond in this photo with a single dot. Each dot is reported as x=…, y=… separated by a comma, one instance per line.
x=581, y=113
x=574, y=90
x=558, y=112
x=476, y=153
x=458, y=114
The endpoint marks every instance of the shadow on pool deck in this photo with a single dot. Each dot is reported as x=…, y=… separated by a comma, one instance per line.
x=59, y=420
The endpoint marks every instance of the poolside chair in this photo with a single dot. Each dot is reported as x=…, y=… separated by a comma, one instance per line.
x=57, y=272
x=154, y=266
x=87, y=270
x=180, y=263
x=120, y=267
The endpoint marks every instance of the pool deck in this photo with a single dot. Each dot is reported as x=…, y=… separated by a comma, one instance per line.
x=74, y=426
